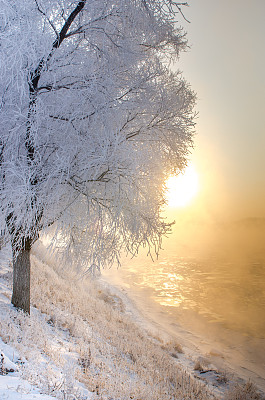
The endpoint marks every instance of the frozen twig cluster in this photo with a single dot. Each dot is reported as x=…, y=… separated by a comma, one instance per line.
x=92, y=121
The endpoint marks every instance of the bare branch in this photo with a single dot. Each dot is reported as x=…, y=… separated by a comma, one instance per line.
x=48, y=19
x=68, y=23
x=178, y=5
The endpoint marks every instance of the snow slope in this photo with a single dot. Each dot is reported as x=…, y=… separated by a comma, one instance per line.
x=85, y=341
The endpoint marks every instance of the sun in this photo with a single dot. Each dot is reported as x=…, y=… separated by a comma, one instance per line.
x=182, y=188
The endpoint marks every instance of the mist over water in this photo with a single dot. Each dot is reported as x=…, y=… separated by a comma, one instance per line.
x=210, y=280
x=219, y=271
x=214, y=270
x=227, y=292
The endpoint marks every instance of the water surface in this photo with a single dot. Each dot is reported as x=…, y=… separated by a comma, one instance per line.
x=209, y=284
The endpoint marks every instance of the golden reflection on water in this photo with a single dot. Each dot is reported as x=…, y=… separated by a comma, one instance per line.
x=221, y=291
x=210, y=271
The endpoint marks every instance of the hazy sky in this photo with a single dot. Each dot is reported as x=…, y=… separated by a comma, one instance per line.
x=226, y=66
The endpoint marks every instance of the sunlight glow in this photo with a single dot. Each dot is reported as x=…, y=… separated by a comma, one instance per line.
x=182, y=188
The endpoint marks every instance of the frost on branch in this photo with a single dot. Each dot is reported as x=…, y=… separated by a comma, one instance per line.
x=92, y=121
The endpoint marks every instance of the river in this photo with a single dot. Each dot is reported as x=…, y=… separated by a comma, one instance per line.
x=208, y=289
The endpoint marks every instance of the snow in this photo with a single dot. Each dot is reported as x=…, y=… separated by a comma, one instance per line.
x=14, y=366
x=14, y=388
x=87, y=340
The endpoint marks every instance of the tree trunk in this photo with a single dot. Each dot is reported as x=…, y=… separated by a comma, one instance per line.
x=21, y=278
x=21, y=257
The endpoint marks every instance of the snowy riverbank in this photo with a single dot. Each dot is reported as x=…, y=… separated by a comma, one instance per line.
x=86, y=340
x=159, y=291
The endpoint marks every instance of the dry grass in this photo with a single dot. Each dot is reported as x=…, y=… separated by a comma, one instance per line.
x=243, y=392
x=222, y=377
x=84, y=329
x=173, y=347
x=201, y=364
x=198, y=366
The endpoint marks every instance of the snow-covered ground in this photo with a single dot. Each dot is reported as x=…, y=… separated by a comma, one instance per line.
x=12, y=385
x=86, y=340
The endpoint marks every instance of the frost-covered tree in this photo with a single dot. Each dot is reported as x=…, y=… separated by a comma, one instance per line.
x=92, y=121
